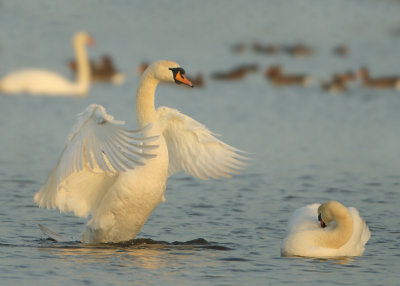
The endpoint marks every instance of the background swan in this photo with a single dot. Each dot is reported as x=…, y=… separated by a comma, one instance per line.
x=95, y=172
x=327, y=230
x=43, y=82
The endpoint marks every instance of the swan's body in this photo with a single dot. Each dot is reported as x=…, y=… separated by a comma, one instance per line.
x=340, y=232
x=121, y=199
x=44, y=82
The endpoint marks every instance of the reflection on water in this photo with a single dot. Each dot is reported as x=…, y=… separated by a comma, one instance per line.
x=137, y=253
x=335, y=260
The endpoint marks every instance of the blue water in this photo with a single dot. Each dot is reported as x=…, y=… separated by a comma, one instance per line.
x=307, y=145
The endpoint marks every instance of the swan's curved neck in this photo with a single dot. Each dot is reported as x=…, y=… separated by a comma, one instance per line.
x=83, y=69
x=335, y=236
x=145, y=106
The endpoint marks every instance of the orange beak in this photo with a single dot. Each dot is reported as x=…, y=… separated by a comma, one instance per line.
x=182, y=79
x=321, y=221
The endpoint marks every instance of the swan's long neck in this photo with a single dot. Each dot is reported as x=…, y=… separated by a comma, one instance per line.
x=145, y=106
x=83, y=69
x=335, y=236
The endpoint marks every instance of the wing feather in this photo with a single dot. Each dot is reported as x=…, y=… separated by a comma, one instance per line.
x=105, y=141
x=194, y=149
x=97, y=150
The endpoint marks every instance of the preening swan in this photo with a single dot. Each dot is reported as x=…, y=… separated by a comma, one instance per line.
x=119, y=176
x=326, y=230
x=43, y=82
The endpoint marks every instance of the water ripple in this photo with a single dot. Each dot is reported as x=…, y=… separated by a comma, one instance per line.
x=142, y=243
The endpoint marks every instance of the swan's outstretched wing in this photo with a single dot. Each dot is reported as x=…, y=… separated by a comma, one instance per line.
x=98, y=140
x=97, y=149
x=194, y=149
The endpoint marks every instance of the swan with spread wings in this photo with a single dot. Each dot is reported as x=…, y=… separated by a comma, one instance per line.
x=118, y=176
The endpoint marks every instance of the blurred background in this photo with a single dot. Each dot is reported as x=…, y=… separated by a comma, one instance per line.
x=278, y=79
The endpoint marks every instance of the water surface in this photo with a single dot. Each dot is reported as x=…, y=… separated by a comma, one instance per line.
x=307, y=145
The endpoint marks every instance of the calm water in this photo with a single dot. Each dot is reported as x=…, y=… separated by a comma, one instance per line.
x=307, y=145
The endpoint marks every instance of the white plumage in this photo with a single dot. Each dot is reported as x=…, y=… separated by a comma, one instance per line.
x=119, y=176
x=44, y=82
x=306, y=237
x=96, y=151
x=194, y=149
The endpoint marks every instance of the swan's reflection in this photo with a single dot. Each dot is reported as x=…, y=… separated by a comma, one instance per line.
x=139, y=253
x=339, y=260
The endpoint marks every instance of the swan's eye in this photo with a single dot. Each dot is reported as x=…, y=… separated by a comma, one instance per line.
x=179, y=77
x=177, y=71
x=319, y=217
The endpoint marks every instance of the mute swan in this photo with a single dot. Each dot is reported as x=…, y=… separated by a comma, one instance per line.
x=92, y=177
x=43, y=82
x=340, y=232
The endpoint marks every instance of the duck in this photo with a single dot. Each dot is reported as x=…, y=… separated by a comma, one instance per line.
x=44, y=82
x=341, y=50
x=119, y=176
x=326, y=230
x=339, y=81
x=236, y=73
x=265, y=49
x=335, y=86
x=298, y=50
x=239, y=48
x=348, y=76
x=381, y=82
x=142, y=67
x=102, y=70
x=249, y=68
x=276, y=77
x=197, y=80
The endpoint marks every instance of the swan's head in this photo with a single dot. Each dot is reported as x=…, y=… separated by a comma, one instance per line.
x=82, y=38
x=331, y=211
x=168, y=71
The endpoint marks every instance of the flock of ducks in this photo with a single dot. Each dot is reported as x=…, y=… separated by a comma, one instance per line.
x=276, y=75
x=297, y=51
x=44, y=82
x=118, y=176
